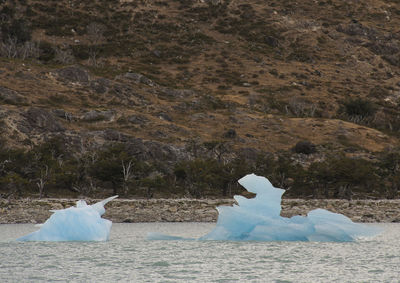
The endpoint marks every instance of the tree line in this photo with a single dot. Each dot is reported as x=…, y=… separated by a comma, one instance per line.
x=50, y=170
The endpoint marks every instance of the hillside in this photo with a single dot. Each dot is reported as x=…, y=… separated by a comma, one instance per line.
x=181, y=98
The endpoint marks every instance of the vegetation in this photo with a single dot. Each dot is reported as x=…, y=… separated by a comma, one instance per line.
x=359, y=108
x=50, y=170
x=304, y=147
x=305, y=96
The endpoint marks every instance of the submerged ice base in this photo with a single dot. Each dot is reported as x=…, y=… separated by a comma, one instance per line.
x=258, y=219
x=78, y=223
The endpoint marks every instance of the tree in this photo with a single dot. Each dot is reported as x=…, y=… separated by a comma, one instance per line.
x=14, y=184
x=48, y=160
x=95, y=33
x=9, y=47
x=115, y=165
x=16, y=171
x=18, y=29
x=43, y=179
x=390, y=170
x=346, y=174
x=107, y=168
x=321, y=177
x=218, y=149
x=64, y=55
x=196, y=176
x=127, y=174
x=232, y=172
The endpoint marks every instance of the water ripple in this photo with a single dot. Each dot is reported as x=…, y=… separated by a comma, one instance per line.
x=129, y=257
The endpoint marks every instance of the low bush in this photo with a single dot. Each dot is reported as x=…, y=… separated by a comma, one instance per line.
x=304, y=147
x=359, y=107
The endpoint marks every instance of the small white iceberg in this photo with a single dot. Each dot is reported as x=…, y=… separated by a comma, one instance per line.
x=82, y=222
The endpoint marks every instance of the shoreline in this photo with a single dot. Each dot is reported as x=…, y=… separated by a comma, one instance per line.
x=193, y=210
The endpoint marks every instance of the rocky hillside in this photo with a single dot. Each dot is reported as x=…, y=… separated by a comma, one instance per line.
x=180, y=98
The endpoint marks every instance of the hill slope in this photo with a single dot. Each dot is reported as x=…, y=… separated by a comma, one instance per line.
x=217, y=87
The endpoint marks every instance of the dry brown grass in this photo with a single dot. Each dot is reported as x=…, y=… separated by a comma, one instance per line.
x=313, y=61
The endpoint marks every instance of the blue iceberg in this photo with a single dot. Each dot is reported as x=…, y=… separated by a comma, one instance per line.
x=258, y=219
x=82, y=222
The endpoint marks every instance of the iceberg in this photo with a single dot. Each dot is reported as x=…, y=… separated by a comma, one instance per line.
x=259, y=219
x=82, y=222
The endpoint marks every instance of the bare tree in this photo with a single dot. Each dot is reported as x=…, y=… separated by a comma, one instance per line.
x=29, y=49
x=219, y=149
x=95, y=33
x=85, y=158
x=3, y=165
x=64, y=55
x=42, y=180
x=194, y=146
x=301, y=108
x=84, y=188
x=127, y=175
x=283, y=181
x=9, y=48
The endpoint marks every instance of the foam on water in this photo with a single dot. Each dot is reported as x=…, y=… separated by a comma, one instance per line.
x=78, y=223
x=258, y=219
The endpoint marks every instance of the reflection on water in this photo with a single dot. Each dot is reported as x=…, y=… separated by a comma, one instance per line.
x=129, y=257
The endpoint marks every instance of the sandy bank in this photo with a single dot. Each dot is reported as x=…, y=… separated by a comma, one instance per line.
x=193, y=210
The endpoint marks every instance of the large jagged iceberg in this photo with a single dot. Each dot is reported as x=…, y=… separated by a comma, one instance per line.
x=82, y=222
x=258, y=219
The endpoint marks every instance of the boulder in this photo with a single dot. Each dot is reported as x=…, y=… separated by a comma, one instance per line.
x=73, y=74
x=271, y=41
x=100, y=85
x=357, y=29
x=10, y=96
x=113, y=135
x=60, y=113
x=139, y=78
x=174, y=93
x=95, y=115
x=230, y=134
x=164, y=116
x=137, y=119
x=41, y=120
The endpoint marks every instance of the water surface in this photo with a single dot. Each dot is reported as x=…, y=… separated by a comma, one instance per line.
x=129, y=257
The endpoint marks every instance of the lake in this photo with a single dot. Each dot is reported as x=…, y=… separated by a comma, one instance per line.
x=129, y=257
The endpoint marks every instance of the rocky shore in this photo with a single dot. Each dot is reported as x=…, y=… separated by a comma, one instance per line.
x=193, y=210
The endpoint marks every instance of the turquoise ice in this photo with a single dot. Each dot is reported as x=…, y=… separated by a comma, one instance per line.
x=259, y=219
x=82, y=222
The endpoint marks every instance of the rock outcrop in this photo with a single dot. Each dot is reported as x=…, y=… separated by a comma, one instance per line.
x=73, y=74
x=11, y=97
x=39, y=119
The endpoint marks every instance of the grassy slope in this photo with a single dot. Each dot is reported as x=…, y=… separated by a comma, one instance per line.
x=276, y=71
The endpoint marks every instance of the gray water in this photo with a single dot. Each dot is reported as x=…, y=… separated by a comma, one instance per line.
x=129, y=257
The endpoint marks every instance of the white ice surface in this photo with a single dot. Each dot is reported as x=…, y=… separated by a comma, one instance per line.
x=78, y=223
x=258, y=219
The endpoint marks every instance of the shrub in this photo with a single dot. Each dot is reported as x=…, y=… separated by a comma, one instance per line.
x=47, y=52
x=64, y=56
x=341, y=176
x=18, y=29
x=359, y=107
x=304, y=147
x=80, y=51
